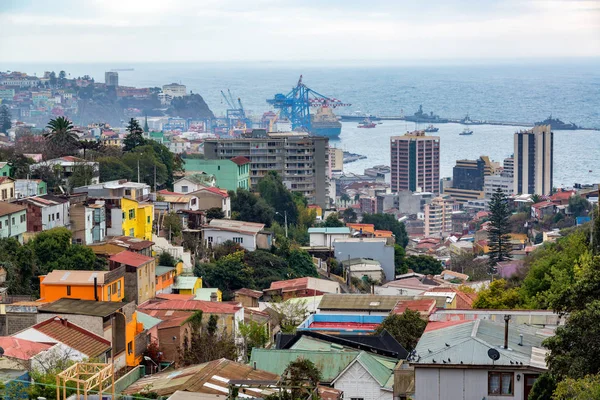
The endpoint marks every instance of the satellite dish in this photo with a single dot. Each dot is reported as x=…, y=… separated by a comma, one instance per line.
x=494, y=354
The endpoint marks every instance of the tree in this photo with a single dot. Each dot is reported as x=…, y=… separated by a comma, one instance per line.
x=172, y=225
x=82, y=175
x=333, y=221
x=52, y=79
x=167, y=259
x=467, y=263
x=345, y=198
x=290, y=314
x=135, y=137
x=229, y=274
x=406, y=328
x=151, y=168
x=586, y=388
x=226, y=248
x=246, y=206
x=498, y=296
x=214, y=213
x=254, y=335
x=302, y=377
x=86, y=145
x=5, y=119
x=349, y=215
x=273, y=191
x=426, y=265
x=146, y=127
x=399, y=254
x=301, y=264
x=579, y=206
x=112, y=168
x=543, y=387
x=62, y=139
x=387, y=222
x=62, y=78
x=207, y=343
x=499, y=232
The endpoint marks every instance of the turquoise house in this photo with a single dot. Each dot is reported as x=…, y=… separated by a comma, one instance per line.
x=230, y=174
x=4, y=168
x=13, y=221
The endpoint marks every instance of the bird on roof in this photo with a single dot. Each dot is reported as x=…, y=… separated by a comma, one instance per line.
x=447, y=345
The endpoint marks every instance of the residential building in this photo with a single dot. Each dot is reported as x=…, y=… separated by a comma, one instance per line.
x=376, y=248
x=324, y=237
x=7, y=94
x=83, y=285
x=209, y=294
x=117, y=189
x=133, y=244
x=114, y=321
x=363, y=267
x=212, y=197
x=495, y=182
x=336, y=159
x=478, y=359
x=230, y=174
x=248, y=297
x=178, y=145
x=5, y=168
x=111, y=78
x=7, y=188
x=300, y=287
x=368, y=205
x=72, y=341
x=415, y=162
x=174, y=202
x=128, y=217
x=174, y=90
x=249, y=235
x=193, y=182
x=140, y=275
x=46, y=212
x=533, y=160
x=187, y=285
x=508, y=169
x=26, y=354
x=30, y=187
x=380, y=173
x=13, y=221
x=361, y=304
x=438, y=217
x=88, y=222
x=165, y=278
x=301, y=160
x=68, y=164
x=338, y=323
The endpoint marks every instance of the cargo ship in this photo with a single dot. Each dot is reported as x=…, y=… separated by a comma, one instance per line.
x=558, y=125
x=420, y=116
x=325, y=123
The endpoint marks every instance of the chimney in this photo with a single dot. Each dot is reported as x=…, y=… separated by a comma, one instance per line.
x=96, y=288
x=213, y=296
x=521, y=339
x=506, y=319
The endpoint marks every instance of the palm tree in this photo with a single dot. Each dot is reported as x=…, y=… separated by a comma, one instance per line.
x=345, y=198
x=89, y=145
x=61, y=136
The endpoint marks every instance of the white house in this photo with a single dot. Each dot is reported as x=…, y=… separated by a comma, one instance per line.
x=68, y=164
x=46, y=212
x=192, y=183
x=249, y=235
x=367, y=377
x=178, y=201
x=324, y=237
x=475, y=360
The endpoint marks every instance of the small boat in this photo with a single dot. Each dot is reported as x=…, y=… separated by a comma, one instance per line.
x=466, y=131
x=431, y=128
x=367, y=123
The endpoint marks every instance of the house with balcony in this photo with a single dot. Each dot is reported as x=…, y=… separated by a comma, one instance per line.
x=88, y=222
x=46, y=212
x=13, y=221
x=84, y=285
x=194, y=182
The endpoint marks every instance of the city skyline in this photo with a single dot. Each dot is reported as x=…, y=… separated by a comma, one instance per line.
x=148, y=31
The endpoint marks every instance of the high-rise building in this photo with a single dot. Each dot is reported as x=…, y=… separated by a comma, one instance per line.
x=438, y=217
x=533, y=161
x=301, y=160
x=415, y=161
x=468, y=179
x=493, y=182
x=336, y=159
x=509, y=167
x=111, y=78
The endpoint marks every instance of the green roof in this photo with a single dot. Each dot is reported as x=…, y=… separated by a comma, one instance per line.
x=147, y=320
x=329, y=363
x=185, y=282
x=162, y=269
x=204, y=293
x=307, y=343
x=331, y=231
x=380, y=368
x=156, y=135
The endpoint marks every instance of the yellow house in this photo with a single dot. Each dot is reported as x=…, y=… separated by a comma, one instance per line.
x=7, y=188
x=137, y=219
x=187, y=285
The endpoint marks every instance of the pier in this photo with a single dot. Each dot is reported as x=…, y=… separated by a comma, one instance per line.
x=458, y=121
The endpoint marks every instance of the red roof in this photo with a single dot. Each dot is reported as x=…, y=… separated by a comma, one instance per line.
x=215, y=190
x=173, y=322
x=240, y=160
x=211, y=307
x=168, y=193
x=5, y=179
x=171, y=296
x=562, y=195
x=542, y=204
x=130, y=258
x=424, y=306
x=249, y=292
x=20, y=348
x=74, y=336
x=298, y=283
x=344, y=325
x=435, y=325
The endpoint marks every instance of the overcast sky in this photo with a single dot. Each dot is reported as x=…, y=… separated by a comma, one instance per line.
x=285, y=30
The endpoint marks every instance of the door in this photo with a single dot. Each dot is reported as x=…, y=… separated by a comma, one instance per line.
x=529, y=381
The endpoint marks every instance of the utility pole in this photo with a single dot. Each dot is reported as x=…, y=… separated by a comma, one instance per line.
x=285, y=220
x=138, y=165
x=154, y=178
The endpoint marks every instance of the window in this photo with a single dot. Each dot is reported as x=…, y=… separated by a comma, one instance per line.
x=140, y=273
x=4, y=194
x=119, y=288
x=13, y=220
x=209, y=239
x=52, y=217
x=128, y=192
x=148, y=219
x=130, y=348
x=238, y=239
x=357, y=398
x=68, y=290
x=123, y=215
x=194, y=201
x=131, y=214
x=131, y=232
x=48, y=218
x=57, y=215
x=0, y=224
x=184, y=189
x=108, y=292
x=500, y=383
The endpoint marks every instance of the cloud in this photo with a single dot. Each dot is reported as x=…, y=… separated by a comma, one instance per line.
x=188, y=30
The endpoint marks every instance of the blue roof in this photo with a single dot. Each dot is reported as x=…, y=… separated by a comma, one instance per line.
x=341, y=231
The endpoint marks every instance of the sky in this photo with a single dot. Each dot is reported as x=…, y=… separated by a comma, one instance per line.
x=285, y=30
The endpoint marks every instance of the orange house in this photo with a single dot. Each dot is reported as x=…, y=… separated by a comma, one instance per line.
x=165, y=278
x=367, y=229
x=83, y=285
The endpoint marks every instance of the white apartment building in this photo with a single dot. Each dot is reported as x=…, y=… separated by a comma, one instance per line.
x=438, y=217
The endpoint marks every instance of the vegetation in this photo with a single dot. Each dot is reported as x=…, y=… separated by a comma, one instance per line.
x=399, y=255
x=406, y=328
x=349, y=215
x=207, y=343
x=333, y=221
x=499, y=295
x=290, y=314
x=426, y=265
x=5, y=119
x=388, y=222
x=254, y=335
x=61, y=138
x=167, y=259
x=246, y=206
x=586, y=388
x=272, y=190
x=498, y=238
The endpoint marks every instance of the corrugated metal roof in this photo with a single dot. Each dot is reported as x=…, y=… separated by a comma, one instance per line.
x=82, y=307
x=360, y=302
x=380, y=368
x=185, y=282
x=162, y=269
x=330, y=231
x=74, y=336
x=212, y=307
x=148, y=321
x=20, y=348
x=131, y=258
x=73, y=277
x=329, y=363
x=236, y=226
x=205, y=293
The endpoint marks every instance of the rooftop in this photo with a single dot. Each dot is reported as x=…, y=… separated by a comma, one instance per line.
x=423, y=306
x=74, y=336
x=132, y=243
x=236, y=226
x=82, y=307
x=211, y=307
x=330, y=231
x=148, y=321
x=359, y=302
x=130, y=258
x=205, y=293
x=163, y=269
x=185, y=282
x=74, y=277
x=9, y=208
x=240, y=160
x=249, y=292
x=20, y=348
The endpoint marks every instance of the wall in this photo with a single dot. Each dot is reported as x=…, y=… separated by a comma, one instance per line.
x=51, y=220
x=172, y=339
x=146, y=289
x=16, y=230
x=226, y=172
x=457, y=384
x=377, y=250
x=356, y=382
x=220, y=236
x=92, y=324
x=323, y=239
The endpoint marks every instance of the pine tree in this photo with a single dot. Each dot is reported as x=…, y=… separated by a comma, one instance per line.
x=146, y=127
x=5, y=118
x=135, y=137
x=499, y=232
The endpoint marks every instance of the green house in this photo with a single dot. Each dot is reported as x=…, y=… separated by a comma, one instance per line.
x=4, y=168
x=230, y=174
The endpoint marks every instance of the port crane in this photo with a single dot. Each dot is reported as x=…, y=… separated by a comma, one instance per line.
x=235, y=114
x=296, y=105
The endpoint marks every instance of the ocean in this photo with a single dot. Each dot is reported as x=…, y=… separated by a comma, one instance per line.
x=509, y=92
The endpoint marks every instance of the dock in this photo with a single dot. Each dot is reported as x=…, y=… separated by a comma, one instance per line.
x=458, y=121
